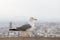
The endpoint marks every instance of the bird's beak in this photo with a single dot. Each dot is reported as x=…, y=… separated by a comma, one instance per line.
x=33, y=19
x=36, y=19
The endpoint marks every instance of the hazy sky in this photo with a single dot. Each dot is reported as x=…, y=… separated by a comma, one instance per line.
x=17, y=10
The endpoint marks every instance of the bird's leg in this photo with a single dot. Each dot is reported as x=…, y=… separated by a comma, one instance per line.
x=24, y=34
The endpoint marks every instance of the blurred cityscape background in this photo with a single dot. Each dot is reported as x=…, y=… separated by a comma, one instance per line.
x=43, y=29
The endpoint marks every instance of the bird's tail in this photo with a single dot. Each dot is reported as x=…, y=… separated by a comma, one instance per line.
x=13, y=30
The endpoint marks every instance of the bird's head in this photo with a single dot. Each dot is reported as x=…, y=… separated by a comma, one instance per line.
x=33, y=19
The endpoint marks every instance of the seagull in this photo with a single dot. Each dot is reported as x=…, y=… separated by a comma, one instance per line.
x=27, y=27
